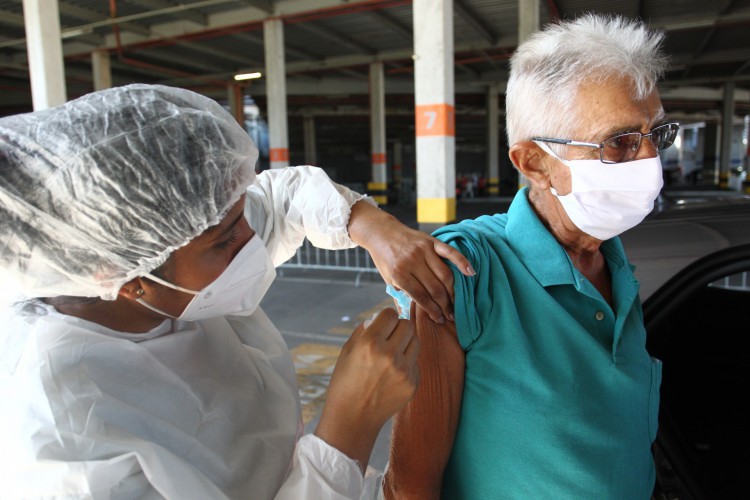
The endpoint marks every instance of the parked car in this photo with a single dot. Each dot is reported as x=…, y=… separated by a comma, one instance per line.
x=692, y=259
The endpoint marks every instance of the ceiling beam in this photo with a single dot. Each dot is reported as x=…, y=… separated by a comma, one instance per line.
x=334, y=37
x=77, y=12
x=392, y=23
x=701, y=22
x=723, y=10
x=717, y=56
x=385, y=56
x=264, y=5
x=188, y=15
x=221, y=54
x=189, y=64
x=288, y=48
x=472, y=20
x=12, y=18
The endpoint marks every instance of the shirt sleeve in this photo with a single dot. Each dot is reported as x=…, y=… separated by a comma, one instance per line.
x=470, y=292
x=286, y=205
x=321, y=471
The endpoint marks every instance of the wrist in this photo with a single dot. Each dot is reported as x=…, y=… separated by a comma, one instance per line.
x=353, y=438
x=364, y=218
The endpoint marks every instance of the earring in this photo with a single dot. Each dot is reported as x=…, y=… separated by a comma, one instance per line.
x=140, y=292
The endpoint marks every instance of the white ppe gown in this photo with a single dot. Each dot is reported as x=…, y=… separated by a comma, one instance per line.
x=189, y=410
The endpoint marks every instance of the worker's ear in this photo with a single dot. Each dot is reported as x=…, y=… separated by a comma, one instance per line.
x=532, y=162
x=132, y=290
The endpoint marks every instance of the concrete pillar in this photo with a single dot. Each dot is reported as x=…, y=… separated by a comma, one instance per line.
x=528, y=23
x=308, y=125
x=273, y=38
x=236, y=103
x=378, y=185
x=44, y=48
x=528, y=19
x=711, y=148
x=434, y=113
x=727, y=118
x=493, y=139
x=101, y=69
x=398, y=163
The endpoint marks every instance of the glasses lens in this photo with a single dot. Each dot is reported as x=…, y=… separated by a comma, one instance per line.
x=621, y=148
x=663, y=136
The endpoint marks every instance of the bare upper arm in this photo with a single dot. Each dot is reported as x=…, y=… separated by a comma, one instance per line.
x=423, y=431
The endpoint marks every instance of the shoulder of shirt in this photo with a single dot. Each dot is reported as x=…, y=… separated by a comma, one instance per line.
x=492, y=226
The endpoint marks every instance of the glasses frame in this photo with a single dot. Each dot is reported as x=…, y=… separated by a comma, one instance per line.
x=600, y=146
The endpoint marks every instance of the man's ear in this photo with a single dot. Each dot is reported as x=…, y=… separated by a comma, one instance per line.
x=529, y=158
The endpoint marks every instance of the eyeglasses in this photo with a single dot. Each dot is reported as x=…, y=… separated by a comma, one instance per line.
x=624, y=147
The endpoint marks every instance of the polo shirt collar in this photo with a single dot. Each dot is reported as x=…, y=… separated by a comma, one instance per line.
x=535, y=246
x=540, y=252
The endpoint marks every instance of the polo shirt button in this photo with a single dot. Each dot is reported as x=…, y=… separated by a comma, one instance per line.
x=599, y=315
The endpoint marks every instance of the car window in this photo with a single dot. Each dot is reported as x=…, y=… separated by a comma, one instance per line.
x=701, y=333
x=738, y=281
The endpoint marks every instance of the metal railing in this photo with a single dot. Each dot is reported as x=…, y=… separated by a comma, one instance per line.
x=355, y=260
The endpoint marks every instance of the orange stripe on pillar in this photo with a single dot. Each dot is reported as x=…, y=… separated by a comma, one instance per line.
x=435, y=119
x=378, y=157
x=279, y=154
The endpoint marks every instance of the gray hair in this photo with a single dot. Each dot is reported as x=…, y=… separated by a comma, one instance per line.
x=548, y=69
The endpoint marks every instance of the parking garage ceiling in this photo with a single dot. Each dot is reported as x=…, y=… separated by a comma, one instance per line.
x=202, y=44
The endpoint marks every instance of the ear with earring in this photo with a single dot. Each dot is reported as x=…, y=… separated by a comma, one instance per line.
x=140, y=292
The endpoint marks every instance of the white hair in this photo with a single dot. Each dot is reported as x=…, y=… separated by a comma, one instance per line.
x=547, y=70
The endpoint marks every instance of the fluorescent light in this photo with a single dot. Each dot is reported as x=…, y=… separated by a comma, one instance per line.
x=248, y=76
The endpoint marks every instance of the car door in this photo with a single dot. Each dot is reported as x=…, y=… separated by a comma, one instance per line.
x=698, y=324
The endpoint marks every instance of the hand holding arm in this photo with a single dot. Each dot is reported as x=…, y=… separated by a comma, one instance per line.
x=409, y=259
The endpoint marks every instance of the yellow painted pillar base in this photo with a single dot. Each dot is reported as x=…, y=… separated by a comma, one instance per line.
x=493, y=187
x=436, y=210
x=378, y=191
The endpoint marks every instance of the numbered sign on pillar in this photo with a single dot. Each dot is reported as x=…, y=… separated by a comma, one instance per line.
x=435, y=119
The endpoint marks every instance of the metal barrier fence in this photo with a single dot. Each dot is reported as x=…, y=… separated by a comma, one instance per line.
x=356, y=260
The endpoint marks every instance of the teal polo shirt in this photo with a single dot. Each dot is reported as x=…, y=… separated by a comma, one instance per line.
x=560, y=397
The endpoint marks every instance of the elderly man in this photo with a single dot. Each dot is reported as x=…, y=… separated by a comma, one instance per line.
x=543, y=387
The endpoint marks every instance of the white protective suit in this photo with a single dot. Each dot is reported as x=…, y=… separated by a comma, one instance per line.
x=190, y=410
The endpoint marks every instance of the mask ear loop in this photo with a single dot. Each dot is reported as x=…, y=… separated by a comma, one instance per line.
x=140, y=292
x=548, y=150
x=170, y=285
x=154, y=308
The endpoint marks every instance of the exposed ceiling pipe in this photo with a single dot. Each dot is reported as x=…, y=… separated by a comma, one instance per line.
x=142, y=64
x=258, y=25
x=327, y=12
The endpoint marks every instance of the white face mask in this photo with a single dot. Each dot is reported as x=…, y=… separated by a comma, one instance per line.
x=608, y=199
x=237, y=291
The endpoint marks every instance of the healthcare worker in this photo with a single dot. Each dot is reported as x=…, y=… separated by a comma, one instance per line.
x=141, y=365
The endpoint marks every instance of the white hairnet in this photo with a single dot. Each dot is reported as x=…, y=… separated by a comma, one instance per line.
x=102, y=189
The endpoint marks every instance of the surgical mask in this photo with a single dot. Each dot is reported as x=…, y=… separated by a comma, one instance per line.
x=608, y=199
x=237, y=291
